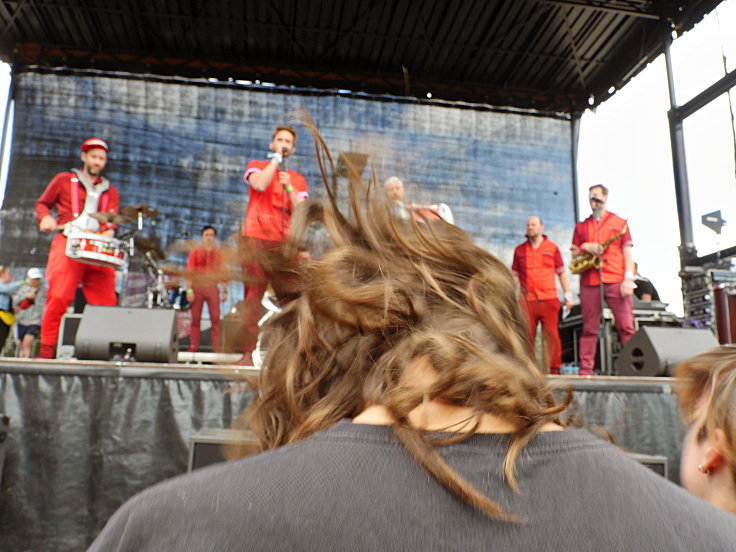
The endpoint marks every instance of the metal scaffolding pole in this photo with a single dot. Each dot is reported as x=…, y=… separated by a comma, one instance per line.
x=679, y=165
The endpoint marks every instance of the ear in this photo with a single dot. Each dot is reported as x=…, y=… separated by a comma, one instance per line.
x=712, y=459
x=82, y=156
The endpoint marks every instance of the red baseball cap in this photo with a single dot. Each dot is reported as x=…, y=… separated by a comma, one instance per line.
x=92, y=143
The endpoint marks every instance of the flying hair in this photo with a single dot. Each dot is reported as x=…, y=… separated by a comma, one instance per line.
x=387, y=293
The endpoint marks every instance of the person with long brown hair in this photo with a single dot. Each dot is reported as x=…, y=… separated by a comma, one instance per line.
x=707, y=394
x=400, y=409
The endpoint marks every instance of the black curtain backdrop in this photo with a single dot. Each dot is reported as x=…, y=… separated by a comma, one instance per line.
x=82, y=439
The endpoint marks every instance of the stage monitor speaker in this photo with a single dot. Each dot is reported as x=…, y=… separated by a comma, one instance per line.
x=68, y=335
x=205, y=447
x=124, y=334
x=655, y=351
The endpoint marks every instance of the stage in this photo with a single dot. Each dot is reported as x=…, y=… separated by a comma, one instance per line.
x=85, y=436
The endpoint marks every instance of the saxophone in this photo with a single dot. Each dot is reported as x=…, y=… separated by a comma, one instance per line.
x=585, y=260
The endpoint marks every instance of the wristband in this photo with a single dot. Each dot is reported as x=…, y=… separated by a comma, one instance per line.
x=288, y=188
x=568, y=296
x=629, y=276
x=190, y=290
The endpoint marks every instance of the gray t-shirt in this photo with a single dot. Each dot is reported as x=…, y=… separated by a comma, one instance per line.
x=354, y=487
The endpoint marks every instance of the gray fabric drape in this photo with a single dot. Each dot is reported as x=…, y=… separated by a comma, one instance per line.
x=84, y=438
x=81, y=442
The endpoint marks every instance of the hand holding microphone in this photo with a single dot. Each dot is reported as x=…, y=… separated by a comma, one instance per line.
x=276, y=158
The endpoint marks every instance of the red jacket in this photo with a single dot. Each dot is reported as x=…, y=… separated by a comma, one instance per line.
x=59, y=194
x=613, y=256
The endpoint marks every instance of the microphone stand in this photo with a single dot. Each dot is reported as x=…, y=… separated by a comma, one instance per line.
x=282, y=168
x=601, y=325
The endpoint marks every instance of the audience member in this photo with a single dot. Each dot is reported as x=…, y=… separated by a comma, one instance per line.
x=707, y=394
x=29, y=302
x=7, y=317
x=405, y=412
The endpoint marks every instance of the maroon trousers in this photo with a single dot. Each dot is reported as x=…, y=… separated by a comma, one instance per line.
x=548, y=313
x=264, y=263
x=211, y=294
x=590, y=304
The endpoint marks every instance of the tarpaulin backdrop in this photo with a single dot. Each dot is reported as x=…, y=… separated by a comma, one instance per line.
x=183, y=146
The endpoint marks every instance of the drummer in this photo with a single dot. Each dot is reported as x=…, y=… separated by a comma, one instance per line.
x=75, y=195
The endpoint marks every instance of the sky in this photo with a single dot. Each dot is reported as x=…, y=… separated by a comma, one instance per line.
x=624, y=144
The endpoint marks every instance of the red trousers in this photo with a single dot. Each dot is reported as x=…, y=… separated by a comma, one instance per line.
x=590, y=304
x=211, y=294
x=547, y=312
x=264, y=262
x=64, y=276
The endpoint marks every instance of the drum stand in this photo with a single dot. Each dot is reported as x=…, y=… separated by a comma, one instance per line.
x=156, y=292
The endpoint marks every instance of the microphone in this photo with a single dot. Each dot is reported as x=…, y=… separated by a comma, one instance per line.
x=282, y=165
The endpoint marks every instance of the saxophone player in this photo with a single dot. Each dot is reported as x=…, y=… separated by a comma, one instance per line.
x=617, y=269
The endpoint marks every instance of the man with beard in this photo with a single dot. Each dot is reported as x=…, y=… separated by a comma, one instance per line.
x=536, y=261
x=75, y=195
x=617, y=268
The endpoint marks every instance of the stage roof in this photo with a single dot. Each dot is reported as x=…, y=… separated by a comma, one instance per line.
x=549, y=55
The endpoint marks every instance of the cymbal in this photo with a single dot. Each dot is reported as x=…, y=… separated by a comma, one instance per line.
x=145, y=245
x=112, y=218
x=147, y=211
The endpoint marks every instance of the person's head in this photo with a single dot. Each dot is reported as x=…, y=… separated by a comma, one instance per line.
x=706, y=390
x=94, y=155
x=597, y=196
x=34, y=276
x=389, y=296
x=393, y=188
x=5, y=274
x=209, y=235
x=284, y=138
x=534, y=227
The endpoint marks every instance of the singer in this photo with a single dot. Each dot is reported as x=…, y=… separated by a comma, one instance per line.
x=617, y=272
x=273, y=192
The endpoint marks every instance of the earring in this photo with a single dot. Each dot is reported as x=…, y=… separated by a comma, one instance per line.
x=701, y=470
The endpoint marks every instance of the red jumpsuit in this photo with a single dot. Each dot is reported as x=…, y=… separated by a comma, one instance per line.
x=266, y=227
x=537, y=269
x=205, y=262
x=62, y=273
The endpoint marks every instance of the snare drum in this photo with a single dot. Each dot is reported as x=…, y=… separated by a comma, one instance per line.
x=96, y=249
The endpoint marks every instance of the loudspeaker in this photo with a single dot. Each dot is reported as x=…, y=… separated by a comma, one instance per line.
x=654, y=351
x=205, y=447
x=68, y=335
x=124, y=334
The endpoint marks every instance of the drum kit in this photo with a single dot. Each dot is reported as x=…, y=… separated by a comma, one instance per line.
x=114, y=252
